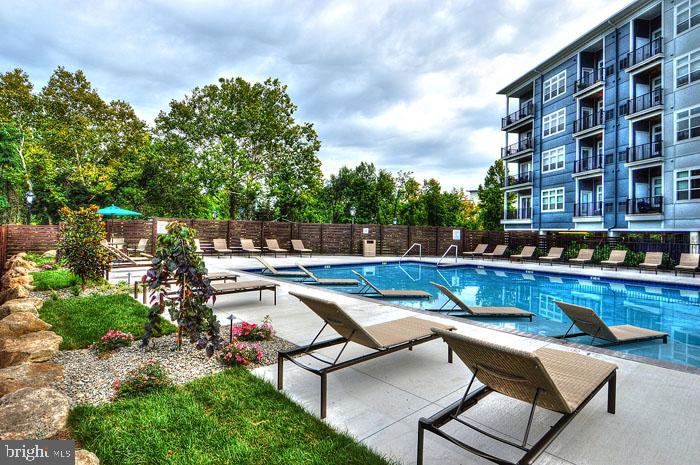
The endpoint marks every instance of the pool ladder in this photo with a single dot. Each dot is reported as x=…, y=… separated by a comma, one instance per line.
x=420, y=251
x=446, y=252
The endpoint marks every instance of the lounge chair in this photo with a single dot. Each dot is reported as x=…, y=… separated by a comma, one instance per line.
x=382, y=338
x=275, y=272
x=122, y=260
x=390, y=293
x=478, y=250
x=528, y=253
x=555, y=380
x=479, y=312
x=554, y=255
x=616, y=258
x=245, y=286
x=652, y=261
x=298, y=247
x=498, y=252
x=118, y=243
x=274, y=247
x=689, y=263
x=221, y=247
x=328, y=281
x=591, y=324
x=584, y=256
x=213, y=277
x=247, y=246
x=140, y=248
x=198, y=247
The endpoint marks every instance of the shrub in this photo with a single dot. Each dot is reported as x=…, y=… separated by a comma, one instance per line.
x=113, y=340
x=573, y=249
x=54, y=279
x=149, y=377
x=80, y=245
x=240, y=354
x=252, y=332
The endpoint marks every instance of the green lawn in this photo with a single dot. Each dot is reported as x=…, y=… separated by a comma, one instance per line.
x=83, y=320
x=228, y=418
x=54, y=279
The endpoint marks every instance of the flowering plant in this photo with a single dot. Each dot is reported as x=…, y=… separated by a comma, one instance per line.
x=240, y=354
x=146, y=378
x=112, y=340
x=252, y=332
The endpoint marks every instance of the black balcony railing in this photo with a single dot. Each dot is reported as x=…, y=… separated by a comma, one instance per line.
x=653, y=48
x=589, y=78
x=646, y=101
x=520, y=146
x=520, y=178
x=524, y=111
x=588, y=209
x=645, y=151
x=519, y=214
x=589, y=163
x=645, y=205
x=589, y=121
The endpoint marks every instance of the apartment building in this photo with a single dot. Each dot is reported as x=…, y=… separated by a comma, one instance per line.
x=605, y=134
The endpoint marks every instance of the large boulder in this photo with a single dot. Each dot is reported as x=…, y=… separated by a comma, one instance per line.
x=33, y=413
x=16, y=292
x=16, y=262
x=31, y=304
x=49, y=254
x=20, y=323
x=29, y=375
x=32, y=347
x=85, y=457
x=12, y=279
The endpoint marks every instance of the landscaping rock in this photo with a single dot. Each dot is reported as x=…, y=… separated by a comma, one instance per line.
x=49, y=254
x=16, y=292
x=12, y=279
x=85, y=457
x=33, y=413
x=31, y=305
x=29, y=375
x=32, y=347
x=19, y=262
x=20, y=323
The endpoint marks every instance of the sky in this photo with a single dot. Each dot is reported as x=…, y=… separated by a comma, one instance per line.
x=407, y=85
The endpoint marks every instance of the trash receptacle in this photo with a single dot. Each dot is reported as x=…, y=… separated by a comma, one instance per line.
x=369, y=248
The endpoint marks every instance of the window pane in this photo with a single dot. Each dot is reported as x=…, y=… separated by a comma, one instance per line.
x=682, y=195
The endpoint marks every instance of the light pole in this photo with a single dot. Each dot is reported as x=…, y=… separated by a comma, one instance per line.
x=214, y=214
x=353, y=210
x=29, y=198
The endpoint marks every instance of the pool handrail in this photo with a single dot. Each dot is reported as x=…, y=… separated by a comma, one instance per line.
x=420, y=251
x=448, y=251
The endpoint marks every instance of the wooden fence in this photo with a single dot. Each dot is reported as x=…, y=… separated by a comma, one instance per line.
x=3, y=247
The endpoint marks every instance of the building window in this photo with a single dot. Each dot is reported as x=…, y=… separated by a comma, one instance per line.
x=687, y=15
x=688, y=184
x=553, y=160
x=555, y=86
x=688, y=68
x=688, y=123
x=553, y=200
x=554, y=123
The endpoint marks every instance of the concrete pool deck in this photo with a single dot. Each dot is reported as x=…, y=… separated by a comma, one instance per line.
x=380, y=401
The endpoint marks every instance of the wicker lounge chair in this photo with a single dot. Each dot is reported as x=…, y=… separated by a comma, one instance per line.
x=328, y=281
x=382, y=338
x=555, y=380
x=390, y=293
x=479, y=312
x=274, y=247
x=498, y=252
x=247, y=246
x=528, y=253
x=652, y=261
x=689, y=263
x=298, y=247
x=275, y=272
x=221, y=247
x=140, y=248
x=591, y=324
x=554, y=255
x=478, y=250
x=245, y=286
x=584, y=256
x=616, y=258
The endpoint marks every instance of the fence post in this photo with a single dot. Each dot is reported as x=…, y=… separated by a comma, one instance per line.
x=154, y=234
x=381, y=234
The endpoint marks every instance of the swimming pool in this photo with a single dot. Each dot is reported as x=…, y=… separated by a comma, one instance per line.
x=669, y=308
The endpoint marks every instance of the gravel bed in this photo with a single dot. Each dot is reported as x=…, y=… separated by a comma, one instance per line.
x=88, y=378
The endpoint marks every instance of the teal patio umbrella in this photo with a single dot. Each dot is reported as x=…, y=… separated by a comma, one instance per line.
x=113, y=211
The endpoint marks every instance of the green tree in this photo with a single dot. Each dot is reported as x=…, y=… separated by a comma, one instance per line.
x=491, y=198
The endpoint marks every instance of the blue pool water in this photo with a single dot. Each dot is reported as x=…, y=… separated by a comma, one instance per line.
x=663, y=307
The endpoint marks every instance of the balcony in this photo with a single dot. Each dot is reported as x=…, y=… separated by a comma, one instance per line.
x=518, y=214
x=588, y=209
x=519, y=118
x=589, y=83
x=645, y=105
x=583, y=165
x=521, y=178
x=646, y=206
x=651, y=151
x=589, y=124
x=645, y=57
x=519, y=148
